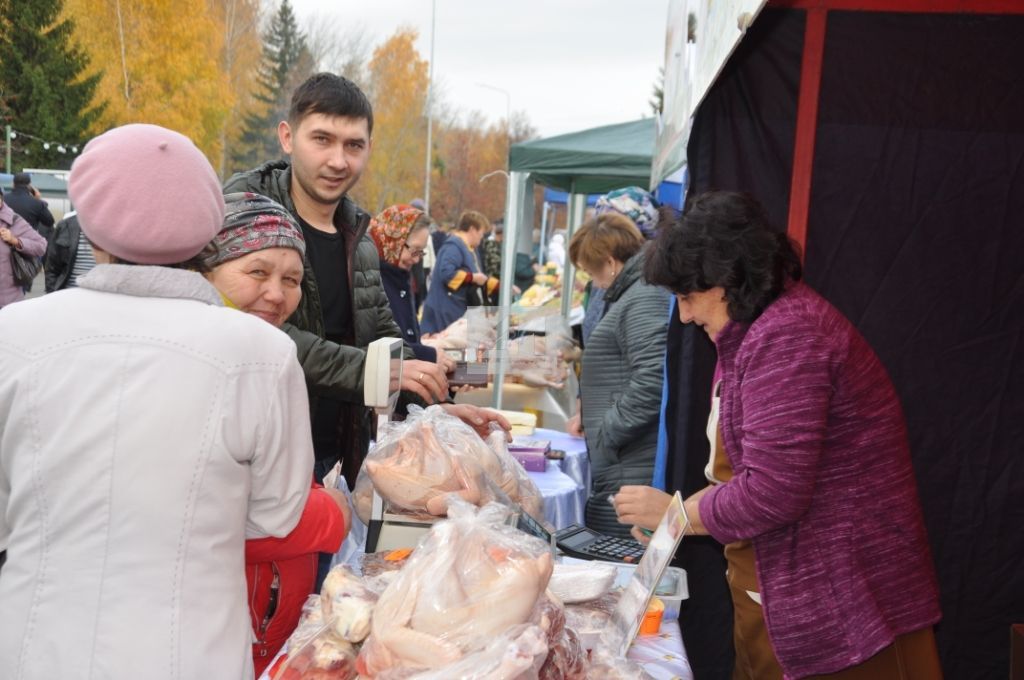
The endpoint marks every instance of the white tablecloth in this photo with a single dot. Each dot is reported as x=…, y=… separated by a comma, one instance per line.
x=663, y=655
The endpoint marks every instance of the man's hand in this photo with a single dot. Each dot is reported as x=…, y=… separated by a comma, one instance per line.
x=479, y=419
x=426, y=379
x=641, y=506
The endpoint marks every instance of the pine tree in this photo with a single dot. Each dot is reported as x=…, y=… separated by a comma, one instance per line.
x=44, y=83
x=286, y=62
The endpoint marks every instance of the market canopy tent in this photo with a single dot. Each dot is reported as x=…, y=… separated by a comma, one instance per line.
x=593, y=161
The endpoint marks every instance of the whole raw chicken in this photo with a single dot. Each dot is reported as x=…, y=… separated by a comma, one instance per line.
x=466, y=584
x=417, y=472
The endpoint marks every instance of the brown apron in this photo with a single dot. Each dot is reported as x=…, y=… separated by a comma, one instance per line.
x=755, y=659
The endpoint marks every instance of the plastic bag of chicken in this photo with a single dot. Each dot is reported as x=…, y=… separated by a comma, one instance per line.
x=334, y=623
x=419, y=462
x=472, y=581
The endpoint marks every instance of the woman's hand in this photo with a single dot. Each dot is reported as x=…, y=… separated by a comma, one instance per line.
x=574, y=426
x=10, y=239
x=479, y=278
x=641, y=506
x=426, y=379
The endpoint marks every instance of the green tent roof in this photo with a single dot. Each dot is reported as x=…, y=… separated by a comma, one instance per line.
x=590, y=161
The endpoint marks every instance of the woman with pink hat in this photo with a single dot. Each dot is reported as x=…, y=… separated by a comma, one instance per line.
x=146, y=431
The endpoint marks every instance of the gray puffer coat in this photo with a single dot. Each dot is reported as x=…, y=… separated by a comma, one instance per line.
x=620, y=389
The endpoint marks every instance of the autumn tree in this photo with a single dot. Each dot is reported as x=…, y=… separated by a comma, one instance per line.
x=285, y=64
x=161, y=63
x=46, y=83
x=238, y=21
x=471, y=166
x=397, y=88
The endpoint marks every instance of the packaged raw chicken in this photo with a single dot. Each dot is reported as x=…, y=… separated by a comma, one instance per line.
x=473, y=580
x=419, y=462
x=325, y=644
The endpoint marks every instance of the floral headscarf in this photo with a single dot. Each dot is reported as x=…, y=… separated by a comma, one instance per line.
x=391, y=228
x=634, y=203
x=252, y=223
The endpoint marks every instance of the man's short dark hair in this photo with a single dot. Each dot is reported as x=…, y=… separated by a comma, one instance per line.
x=22, y=179
x=331, y=95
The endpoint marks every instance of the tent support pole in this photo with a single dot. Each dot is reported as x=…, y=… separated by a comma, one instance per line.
x=806, y=126
x=577, y=206
x=513, y=224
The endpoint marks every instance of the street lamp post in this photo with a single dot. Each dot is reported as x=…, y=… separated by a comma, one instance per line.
x=430, y=119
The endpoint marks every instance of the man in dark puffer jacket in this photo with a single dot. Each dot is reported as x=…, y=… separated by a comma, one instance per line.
x=343, y=307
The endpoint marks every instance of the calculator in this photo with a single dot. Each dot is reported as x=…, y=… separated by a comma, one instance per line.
x=584, y=543
x=587, y=544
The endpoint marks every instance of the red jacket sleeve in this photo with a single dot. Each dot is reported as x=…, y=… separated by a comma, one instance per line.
x=320, y=529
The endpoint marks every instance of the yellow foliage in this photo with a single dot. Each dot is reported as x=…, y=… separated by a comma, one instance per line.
x=398, y=91
x=161, y=65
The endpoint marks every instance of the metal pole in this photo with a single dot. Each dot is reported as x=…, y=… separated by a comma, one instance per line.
x=577, y=207
x=430, y=119
x=7, y=139
x=514, y=197
x=543, y=231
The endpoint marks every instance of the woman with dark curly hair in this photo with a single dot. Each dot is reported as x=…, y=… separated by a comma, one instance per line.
x=811, y=485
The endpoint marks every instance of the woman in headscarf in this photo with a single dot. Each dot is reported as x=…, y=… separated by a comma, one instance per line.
x=639, y=206
x=257, y=268
x=401, y=233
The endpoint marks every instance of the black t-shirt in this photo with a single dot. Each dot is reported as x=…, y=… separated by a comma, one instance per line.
x=329, y=259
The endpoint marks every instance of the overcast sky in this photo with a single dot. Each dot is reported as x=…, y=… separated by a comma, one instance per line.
x=569, y=64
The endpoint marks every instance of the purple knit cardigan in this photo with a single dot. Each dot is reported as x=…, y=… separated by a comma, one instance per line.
x=823, y=485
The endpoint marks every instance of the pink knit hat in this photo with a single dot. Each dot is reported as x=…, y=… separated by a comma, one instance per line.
x=146, y=194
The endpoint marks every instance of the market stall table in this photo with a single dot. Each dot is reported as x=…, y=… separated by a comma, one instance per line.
x=564, y=498
x=576, y=463
x=662, y=656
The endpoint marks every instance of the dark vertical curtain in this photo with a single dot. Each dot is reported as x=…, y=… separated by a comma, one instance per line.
x=742, y=139
x=916, y=232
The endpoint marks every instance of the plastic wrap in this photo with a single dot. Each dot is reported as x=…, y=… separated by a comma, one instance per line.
x=347, y=604
x=573, y=583
x=324, y=657
x=472, y=580
x=509, y=474
x=419, y=462
x=325, y=643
